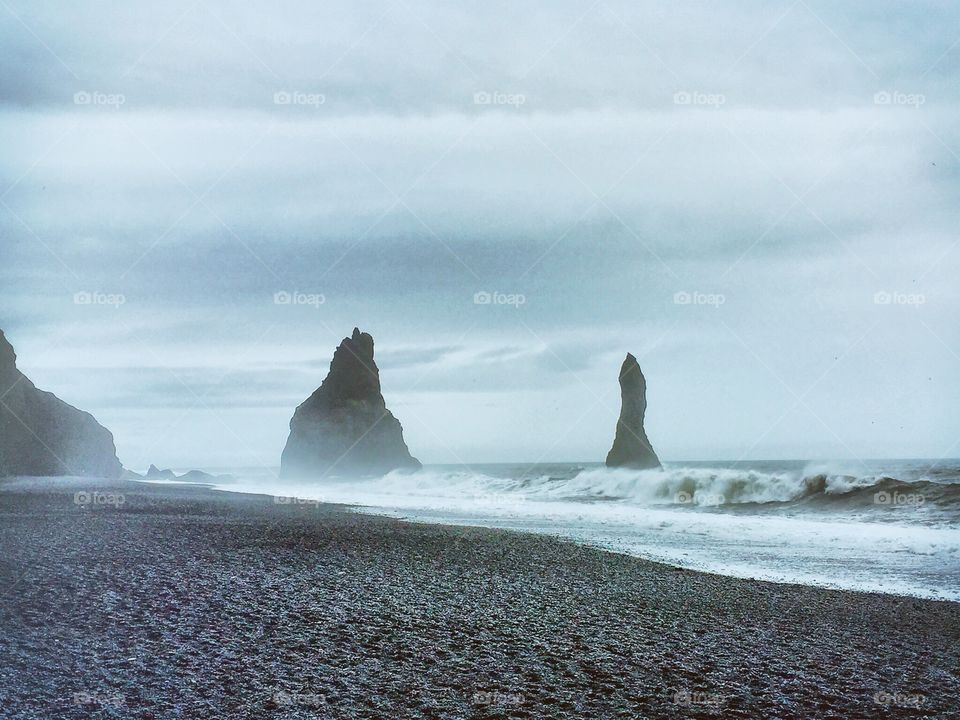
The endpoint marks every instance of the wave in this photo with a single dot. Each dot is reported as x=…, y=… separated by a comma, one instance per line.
x=826, y=525
x=813, y=487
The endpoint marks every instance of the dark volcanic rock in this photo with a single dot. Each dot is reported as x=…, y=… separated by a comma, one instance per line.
x=199, y=476
x=191, y=476
x=155, y=473
x=42, y=435
x=631, y=447
x=344, y=428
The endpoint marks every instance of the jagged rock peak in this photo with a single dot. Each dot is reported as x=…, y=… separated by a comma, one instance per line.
x=344, y=427
x=631, y=447
x=7, y=354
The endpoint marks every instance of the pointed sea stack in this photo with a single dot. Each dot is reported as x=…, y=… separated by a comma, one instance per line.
x=631, y=448
x=40, y=434
x=344, y=428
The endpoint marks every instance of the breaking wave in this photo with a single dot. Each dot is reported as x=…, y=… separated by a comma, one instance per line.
x=693, y=486
x=886, y=526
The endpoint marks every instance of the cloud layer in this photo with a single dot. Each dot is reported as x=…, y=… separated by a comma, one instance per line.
x=761, y=203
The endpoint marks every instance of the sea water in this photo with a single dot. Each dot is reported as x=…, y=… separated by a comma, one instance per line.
x=887, y=525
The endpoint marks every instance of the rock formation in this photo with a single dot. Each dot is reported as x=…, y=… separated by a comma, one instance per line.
x=344, y=428
x=155, y=473
x=631, y=448
x=191, y=476
x=42, y=435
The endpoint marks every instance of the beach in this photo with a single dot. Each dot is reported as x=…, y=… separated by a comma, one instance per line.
x=124, y=599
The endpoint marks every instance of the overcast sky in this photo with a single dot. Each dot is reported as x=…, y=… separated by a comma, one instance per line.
x=759, y=200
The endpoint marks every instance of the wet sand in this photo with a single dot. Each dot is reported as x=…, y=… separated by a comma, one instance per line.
x=150, y=601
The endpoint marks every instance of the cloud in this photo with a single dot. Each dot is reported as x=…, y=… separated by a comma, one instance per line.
x=402, y=358
x=429, y=57
x=794, y=159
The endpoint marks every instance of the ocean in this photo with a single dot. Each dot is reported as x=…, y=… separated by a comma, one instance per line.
x=886, y=525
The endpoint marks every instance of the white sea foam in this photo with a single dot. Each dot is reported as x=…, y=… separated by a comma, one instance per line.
x=740, y=522
x=696, y=486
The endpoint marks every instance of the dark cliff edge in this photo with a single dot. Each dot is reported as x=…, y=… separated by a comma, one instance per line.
x=40, y=434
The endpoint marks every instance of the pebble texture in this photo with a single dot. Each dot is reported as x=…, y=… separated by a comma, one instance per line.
x=188, y=603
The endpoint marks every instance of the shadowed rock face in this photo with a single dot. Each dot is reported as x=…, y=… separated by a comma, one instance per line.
x=344, y=428
x=42, y=435
x=631, y=448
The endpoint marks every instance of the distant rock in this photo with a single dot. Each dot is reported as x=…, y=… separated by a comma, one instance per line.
x=344, y=427
x=191, y=476
x=631, y=447
x=42, y=435
x=155, y=473
x=199, y=476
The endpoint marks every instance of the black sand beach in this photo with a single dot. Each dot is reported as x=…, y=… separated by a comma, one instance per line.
x=181, y=602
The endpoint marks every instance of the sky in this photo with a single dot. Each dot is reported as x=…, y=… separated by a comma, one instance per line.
x=759, y=200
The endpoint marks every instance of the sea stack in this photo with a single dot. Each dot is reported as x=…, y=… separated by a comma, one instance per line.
x=344, y=427
x=40, y=434
x=631, y=447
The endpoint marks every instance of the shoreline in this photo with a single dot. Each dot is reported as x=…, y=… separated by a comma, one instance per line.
x=194, y=602
x=409, y=517
x=835, y=538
